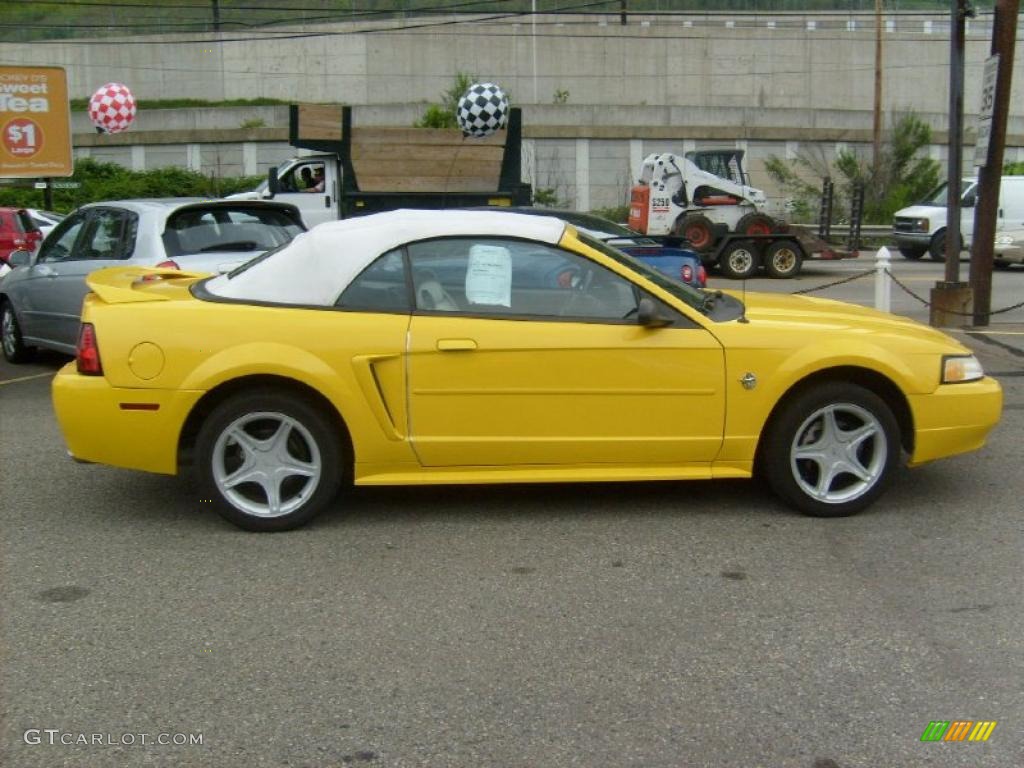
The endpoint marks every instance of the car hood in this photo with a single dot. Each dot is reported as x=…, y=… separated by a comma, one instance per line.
x=917, y=212
x=806, y=315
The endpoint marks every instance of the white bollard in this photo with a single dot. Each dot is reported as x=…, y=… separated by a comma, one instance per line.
x=883, y=288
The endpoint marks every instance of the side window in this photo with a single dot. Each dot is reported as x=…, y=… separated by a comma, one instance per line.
x=110, y=235
x=60, y=245
x=499, y=277
x=381, y=287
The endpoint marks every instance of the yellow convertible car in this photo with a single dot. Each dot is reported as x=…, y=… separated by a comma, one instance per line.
x=481, y=347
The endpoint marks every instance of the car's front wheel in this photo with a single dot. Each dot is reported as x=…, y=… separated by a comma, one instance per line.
x=15, y=350
x=831, y=450
x=269, y=460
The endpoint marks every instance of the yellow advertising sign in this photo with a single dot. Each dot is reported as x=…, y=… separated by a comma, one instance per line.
x=35, y=123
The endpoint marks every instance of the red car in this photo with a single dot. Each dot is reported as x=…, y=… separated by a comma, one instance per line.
x=17, y=232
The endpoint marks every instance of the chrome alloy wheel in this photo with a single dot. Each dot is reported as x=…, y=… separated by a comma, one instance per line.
x=8, y=331
x=839, y=453
x=266, y=464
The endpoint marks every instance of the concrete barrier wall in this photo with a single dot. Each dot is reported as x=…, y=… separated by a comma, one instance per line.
x=745, y=61
x=769, y=83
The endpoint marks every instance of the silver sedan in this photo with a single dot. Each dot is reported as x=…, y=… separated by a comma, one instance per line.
x=41, y=298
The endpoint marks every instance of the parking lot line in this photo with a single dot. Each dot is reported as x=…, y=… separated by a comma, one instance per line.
x=24, y=378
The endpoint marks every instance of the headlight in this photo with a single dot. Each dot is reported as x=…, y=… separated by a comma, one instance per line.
x=960, y=368
x=922, y=225
x=1004, y=240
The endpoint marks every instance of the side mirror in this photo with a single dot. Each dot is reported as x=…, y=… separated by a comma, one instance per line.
x=19, y=259
x=273, y=183
x=648, y=315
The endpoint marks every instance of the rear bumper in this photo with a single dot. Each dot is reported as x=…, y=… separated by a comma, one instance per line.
x=130, y=428
x=956, y=418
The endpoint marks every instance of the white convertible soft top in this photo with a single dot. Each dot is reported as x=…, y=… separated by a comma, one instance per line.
x=318, y=265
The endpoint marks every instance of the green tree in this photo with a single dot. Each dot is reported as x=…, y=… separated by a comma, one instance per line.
x=901, y=177
x=443, y=115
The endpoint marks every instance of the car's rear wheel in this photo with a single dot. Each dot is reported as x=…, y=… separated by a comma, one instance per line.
x=831, y=450
x=269, y=460
x=15, y=350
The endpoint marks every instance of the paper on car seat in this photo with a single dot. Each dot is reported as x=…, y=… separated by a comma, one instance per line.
x=489, y=276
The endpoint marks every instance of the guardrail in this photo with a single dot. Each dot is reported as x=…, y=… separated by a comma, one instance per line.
x=866, y=230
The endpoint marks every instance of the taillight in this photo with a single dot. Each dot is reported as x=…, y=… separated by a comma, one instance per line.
x=168, y=265
x=686, y=273
x=88, y=358
x=702, y=275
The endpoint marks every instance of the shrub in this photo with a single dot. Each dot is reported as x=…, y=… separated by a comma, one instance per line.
x=108, y=181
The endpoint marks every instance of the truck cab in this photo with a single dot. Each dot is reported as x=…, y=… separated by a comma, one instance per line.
x=316, y=203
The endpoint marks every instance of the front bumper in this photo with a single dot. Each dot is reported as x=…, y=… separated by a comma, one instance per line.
x=912, y=239
x=956, y=418
x=130, y=428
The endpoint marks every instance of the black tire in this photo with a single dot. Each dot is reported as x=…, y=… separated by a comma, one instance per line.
x=937, y=247
x=739, y=260
x=275, y=421
x=15, y=350
x=912, y=253
x=697, y=229
x=783, y=260
x=1001, y=264
x=755, y=224
x=799, y=481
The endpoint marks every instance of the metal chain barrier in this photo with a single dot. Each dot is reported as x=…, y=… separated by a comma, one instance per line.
x=849, y=279
x=927, y=303
x=904, y=288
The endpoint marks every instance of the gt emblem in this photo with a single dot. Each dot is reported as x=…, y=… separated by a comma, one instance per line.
x=749, y=381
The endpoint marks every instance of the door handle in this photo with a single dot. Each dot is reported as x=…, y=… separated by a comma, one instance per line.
x=455, y=345
x=327, y=201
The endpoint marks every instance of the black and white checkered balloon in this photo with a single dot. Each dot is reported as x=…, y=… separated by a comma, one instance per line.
x=482, y=110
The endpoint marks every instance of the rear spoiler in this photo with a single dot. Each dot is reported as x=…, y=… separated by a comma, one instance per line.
x=122, y=285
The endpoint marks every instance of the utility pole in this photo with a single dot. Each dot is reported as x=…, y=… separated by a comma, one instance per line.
x=216, y=15
x=1004, y=36
x=622, y=12
x=950, y=298
x=877, y=127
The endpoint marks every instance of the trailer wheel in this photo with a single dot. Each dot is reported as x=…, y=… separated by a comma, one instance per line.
x=739, y=260
x=755, y=224
x=696, y=228
x=782, y=260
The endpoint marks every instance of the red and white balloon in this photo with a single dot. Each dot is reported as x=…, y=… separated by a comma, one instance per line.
x=112, y=108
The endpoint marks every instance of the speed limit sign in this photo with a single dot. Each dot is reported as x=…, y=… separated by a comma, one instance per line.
x=988, y=104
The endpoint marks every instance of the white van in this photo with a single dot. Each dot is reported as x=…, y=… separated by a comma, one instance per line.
x=921, y=228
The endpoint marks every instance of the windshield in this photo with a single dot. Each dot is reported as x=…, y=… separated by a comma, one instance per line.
x=938, y=197
x=680, y=290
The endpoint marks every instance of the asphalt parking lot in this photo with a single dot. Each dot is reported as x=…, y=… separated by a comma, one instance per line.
x=670, y=624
